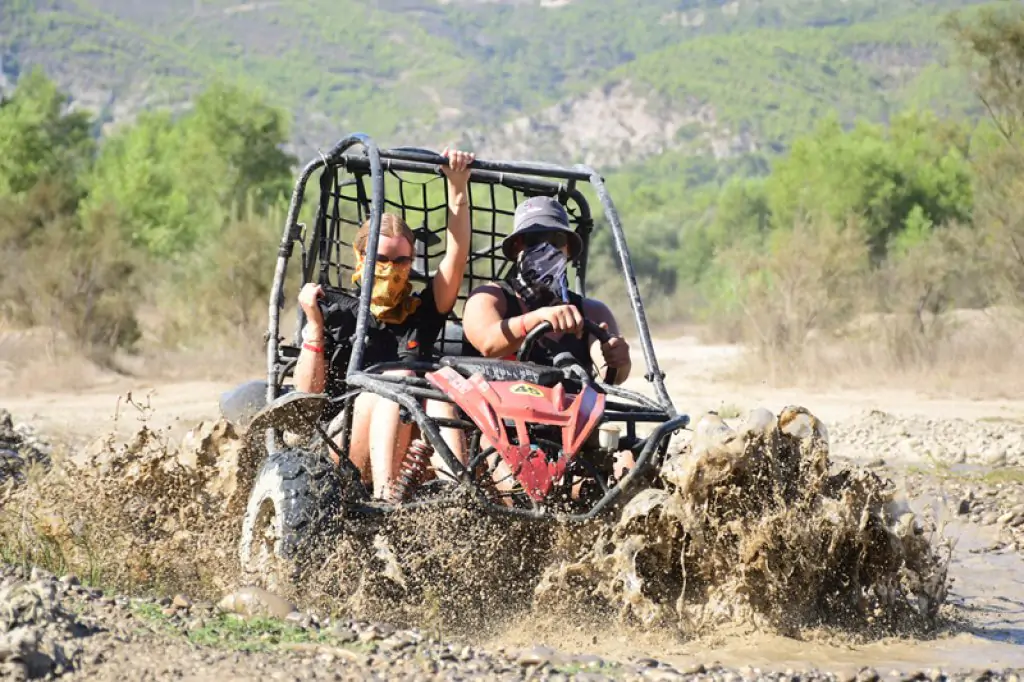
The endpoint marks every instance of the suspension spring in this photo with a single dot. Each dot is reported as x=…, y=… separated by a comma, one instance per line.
x=412, y=472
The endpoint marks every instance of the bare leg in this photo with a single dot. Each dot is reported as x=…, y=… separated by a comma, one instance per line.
x=501, y=473
x=455, y=438
x=389, y=439
x=359, y=445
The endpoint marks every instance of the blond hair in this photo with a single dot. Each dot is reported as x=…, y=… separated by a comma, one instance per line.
x=391, y=225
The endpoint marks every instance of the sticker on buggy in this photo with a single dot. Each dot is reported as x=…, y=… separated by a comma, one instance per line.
x=526, y=389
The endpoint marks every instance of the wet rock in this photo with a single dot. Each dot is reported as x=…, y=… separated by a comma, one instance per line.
x=300, y=619
x=343, y=633
x=538, y=655
x=867, y=675
x=252, y=602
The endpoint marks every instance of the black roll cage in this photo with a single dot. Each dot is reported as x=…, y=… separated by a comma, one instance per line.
x=408, y=391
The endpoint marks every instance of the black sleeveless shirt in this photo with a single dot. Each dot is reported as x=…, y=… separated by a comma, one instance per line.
x=545, y=350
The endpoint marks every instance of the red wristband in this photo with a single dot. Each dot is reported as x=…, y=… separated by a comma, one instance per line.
x=316, y=349
x=522, y=325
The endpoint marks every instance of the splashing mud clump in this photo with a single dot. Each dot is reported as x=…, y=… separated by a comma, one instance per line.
x=145, y=514
x=20, y=450
x=449, y=569
x=752, y=527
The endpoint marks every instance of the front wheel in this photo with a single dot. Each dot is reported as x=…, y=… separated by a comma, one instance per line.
x=296, y=496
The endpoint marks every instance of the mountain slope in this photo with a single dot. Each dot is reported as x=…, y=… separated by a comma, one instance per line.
x=603, y=81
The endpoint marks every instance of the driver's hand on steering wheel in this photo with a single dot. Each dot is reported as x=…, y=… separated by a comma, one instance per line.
x=615, y=350
x=563, y=318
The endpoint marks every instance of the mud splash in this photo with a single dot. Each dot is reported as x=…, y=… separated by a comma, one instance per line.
x=145, y=515
x=448, y=569
x=753, y=527
x=750, y=526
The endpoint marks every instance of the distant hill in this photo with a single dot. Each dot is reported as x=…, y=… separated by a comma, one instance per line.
x=602, y=81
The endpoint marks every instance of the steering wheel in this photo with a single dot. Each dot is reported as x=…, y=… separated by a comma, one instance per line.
x=600, y=333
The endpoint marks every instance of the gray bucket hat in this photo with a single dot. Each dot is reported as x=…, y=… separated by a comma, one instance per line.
x=541, y=214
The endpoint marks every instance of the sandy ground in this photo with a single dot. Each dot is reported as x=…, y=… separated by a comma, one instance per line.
x=692, y=377
x=988, y=584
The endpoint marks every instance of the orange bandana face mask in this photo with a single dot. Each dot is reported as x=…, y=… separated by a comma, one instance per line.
x=390, y=300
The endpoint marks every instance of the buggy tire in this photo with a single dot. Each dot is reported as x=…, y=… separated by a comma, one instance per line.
x=295, y=498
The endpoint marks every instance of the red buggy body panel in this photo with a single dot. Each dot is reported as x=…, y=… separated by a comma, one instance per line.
x=491, y=403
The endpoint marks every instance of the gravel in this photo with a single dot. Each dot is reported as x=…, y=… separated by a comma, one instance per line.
x=973, y=465
x=54, y=627
x=920, y=439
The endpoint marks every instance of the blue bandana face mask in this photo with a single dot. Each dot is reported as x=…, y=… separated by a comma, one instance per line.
x=541, y=276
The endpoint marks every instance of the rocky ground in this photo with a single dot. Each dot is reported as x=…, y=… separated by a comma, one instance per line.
x=54, y=626
x=975, y=466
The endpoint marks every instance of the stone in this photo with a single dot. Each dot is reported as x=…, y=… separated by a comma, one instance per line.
x=252, y=602
x=538, y=655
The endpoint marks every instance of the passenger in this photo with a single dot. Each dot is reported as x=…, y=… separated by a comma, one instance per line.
x=403, y=326
x=499, y=315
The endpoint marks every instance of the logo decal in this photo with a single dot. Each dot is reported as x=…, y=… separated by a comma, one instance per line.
x=526, y=389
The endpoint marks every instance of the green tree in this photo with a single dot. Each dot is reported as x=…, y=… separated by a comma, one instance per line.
x=918, y=167
x=175, y=182
x=248, y=135
x=39, y=139
x=991, y=47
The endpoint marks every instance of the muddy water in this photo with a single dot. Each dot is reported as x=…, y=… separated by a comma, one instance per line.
x=987, y=597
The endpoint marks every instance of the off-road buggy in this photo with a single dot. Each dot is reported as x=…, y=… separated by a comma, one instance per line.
x=556, y=427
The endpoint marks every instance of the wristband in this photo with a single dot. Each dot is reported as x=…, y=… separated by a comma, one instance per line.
x=312, y=333
x=316, y=349
x=522, y=325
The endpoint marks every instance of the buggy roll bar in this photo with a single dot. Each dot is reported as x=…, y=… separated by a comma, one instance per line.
x=376, y=160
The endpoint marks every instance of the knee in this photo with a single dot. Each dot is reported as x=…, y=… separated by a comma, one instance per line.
x=436, y=408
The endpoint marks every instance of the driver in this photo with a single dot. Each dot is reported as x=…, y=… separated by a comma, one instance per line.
x=499, y=315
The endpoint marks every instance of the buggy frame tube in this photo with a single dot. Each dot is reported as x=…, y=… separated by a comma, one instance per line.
x=277, y=289
x=428, y=428
x=522, y=167
x=655, y=441
x=355, y=363
x=284, y=253
x=654, y=375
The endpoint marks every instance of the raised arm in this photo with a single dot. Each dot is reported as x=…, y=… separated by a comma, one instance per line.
x=452, y=267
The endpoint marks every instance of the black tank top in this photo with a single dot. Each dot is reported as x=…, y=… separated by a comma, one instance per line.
x=545, y=350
